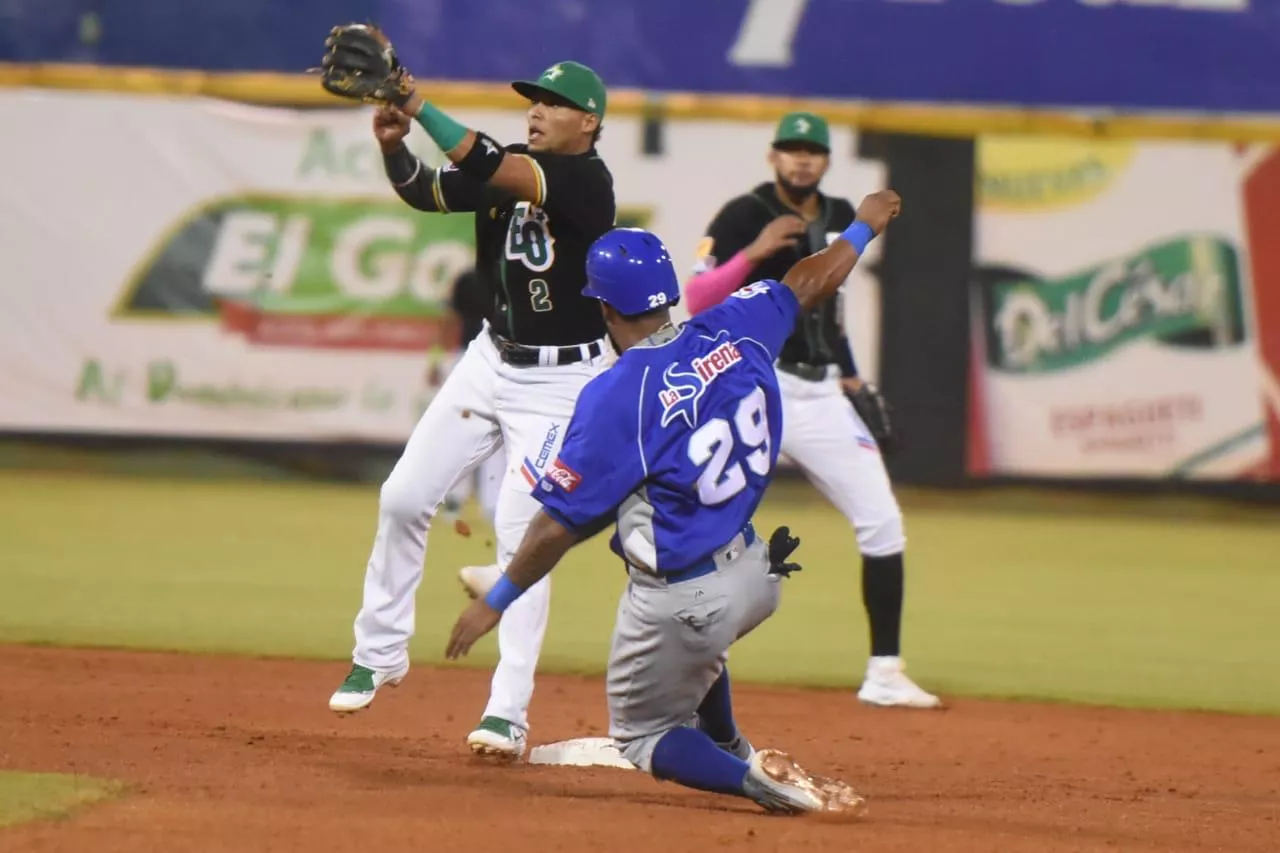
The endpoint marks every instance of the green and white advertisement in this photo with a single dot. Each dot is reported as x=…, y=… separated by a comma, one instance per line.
x=213, y=269
x=1114, y=331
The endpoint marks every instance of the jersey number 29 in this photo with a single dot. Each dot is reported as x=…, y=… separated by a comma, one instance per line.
x=713, y=443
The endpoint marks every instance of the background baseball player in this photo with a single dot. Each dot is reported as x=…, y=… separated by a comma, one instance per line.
x=676, y=444
x=539, y=207
x=762, y=234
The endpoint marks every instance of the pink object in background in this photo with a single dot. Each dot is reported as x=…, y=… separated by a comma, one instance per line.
x=708, y=289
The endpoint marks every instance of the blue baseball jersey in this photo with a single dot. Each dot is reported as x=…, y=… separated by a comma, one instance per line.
x=678, y=440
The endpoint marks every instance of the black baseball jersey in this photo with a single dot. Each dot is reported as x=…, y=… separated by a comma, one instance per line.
x=532, y=255
x=819, y=336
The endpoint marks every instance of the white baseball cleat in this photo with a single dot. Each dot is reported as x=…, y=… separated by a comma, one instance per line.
x=778, y=784
x=887, y=685
x=478, y=580
x=360, y=686
x=498, y=738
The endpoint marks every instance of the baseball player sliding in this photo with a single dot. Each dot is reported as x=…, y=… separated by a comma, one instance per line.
x=762, y=234
x=538, y=206
x=675, y=445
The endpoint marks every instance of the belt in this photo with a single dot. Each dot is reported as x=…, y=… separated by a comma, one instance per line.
x=521, y=355
x=811, y=372
x=708, y=565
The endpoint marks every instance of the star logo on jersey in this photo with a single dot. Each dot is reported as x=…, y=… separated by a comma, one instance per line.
x=553, y=72
x=802, y=125
x=684, y=388
x=489, y=147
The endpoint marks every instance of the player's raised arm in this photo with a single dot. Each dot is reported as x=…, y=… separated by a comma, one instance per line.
x=427, y=189
x=475, y=153
x=566, y=107
x=820, y=275
x=567, y=104
x=732, y=251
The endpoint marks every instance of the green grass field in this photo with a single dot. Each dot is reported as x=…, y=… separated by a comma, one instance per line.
x=34, y=796
x=1122, y=601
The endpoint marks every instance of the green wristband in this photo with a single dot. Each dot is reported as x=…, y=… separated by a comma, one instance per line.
x=446, y=132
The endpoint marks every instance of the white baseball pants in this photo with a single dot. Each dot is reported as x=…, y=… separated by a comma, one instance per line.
x=823, y=434
x=484, y=402
x=485, y=483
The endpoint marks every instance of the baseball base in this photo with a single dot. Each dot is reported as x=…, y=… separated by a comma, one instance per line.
x=581, y=752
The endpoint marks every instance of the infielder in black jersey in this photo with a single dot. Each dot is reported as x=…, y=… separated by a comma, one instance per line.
x=830, y=415
x=538, y=206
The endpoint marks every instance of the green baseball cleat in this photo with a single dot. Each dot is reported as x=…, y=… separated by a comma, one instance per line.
x=360, y=686
x=498, y=738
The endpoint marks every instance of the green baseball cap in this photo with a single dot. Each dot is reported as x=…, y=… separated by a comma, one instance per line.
x=573, y=81
x=803, y=128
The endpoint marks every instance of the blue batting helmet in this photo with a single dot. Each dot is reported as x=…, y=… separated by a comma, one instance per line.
x=630, y=269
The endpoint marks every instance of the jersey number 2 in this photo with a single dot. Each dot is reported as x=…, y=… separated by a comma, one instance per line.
x=540, y=295
x=713, y=444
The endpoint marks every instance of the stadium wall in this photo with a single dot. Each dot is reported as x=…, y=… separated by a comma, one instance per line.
x=966, y=417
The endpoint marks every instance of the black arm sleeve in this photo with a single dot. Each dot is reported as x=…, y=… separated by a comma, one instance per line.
x=444, y=190
x=409, y=178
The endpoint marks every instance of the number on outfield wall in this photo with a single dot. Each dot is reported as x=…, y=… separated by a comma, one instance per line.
x=768, y=33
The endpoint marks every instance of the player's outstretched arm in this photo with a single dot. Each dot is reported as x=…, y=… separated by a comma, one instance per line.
x=729, y=237
x=545, y=543
x=477, y=154
x=360, y=64
x=411, y=181
x=820, y=275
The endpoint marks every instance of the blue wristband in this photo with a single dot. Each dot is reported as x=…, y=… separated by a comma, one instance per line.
x=502, y=594
x=859, y=234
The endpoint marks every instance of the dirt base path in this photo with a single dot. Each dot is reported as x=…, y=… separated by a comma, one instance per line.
x=243, y=755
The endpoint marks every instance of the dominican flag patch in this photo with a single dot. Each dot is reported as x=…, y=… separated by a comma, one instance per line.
x=530, y=473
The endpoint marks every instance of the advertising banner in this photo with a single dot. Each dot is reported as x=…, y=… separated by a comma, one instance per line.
x=198, y=268
x=1120, y=328
x=1197, y=55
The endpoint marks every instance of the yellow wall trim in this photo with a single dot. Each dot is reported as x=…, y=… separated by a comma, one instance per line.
x=940, y=119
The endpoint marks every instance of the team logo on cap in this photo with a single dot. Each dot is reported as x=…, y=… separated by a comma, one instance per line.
x=553, y=72
x=802, y=125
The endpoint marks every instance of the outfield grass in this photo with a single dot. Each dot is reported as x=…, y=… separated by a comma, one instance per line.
x=1105, y=603
x=34, y=796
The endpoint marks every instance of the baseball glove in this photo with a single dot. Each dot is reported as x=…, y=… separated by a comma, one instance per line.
x=874, y=411
x=361, y=64
x=781, y=546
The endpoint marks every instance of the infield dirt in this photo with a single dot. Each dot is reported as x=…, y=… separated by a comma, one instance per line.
x=243, y=755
